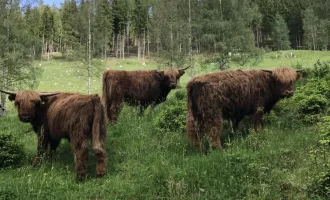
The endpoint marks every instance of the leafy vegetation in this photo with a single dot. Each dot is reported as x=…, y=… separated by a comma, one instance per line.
x=150, y=157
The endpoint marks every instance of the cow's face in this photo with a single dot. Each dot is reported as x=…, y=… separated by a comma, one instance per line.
x=287, y=91
x=285, y=77
x=28, y=103
x=172, y=76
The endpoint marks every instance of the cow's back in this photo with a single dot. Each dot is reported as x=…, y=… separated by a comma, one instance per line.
x=70, y=113
x=235, y=92
x=133, y=85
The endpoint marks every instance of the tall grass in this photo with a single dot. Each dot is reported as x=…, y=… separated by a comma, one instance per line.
x=145, y=162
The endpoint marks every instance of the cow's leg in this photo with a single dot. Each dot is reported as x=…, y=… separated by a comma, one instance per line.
x=213, y=128
x=79, y=147
x=43, y=140
x=257, y=118
x=141, y=109
x=53, y=146
x=193, y=132
x=116, y=106
x=100, y=155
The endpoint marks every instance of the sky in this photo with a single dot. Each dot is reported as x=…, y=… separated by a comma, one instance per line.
x=56, y=2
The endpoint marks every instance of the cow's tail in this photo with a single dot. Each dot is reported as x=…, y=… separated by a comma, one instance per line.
x=99, y=127
x=106, y=92
x=193, y=90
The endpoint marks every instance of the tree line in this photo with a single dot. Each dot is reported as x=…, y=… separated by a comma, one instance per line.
x=173, y=30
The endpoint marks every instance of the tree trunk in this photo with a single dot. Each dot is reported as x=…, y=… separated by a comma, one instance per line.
x=144, y=44
x=48, y=50
x=116, y=44
x=139, y=46
x=89, y=52
x=148, y=43
x=123, y=43
x=189, y=40
x=128, y=39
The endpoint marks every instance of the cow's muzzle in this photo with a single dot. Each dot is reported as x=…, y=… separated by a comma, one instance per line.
x=25, y=118
x=173, y=85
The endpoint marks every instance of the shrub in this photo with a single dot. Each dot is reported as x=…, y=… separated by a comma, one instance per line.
x=11, y=153
x=312, y=104
x=172, y=115
x=320, y=186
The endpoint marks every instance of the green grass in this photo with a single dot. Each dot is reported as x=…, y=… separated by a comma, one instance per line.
x=143, y=163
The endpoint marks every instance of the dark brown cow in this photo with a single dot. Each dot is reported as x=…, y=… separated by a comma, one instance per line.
x=65, y=115
x=233, y=95
x=141, y=88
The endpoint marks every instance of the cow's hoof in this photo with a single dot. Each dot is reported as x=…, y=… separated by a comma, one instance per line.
x=100, y=174
x=80, y=178
x=36, y=161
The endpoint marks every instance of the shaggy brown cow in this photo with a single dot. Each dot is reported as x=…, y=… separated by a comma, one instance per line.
x=141, y=88
x=233, y=95
x=65, y=115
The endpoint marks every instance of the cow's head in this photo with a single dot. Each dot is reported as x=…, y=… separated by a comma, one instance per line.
x=171, y=76
x=284, y=77
x=27, y=103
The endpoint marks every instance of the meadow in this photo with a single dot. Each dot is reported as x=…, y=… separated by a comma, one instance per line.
x=150, y=160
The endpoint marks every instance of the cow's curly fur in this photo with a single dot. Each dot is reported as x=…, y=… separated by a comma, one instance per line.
x=140, y=88
x=232, y=95
x=66, y=115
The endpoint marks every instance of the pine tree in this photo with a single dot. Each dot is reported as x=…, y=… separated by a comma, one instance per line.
x=15, y=50
x=103, y=27
x=281, y=33
x=140, y=19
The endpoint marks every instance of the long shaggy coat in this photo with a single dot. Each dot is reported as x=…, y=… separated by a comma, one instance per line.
x=73, y=116
x=139, y=88
x=233, y=95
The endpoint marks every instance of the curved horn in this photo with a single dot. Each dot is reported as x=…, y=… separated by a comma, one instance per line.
x=266, y=70
x=185, y=68
x=48, y=94
x=299, y=70
x=8, y=92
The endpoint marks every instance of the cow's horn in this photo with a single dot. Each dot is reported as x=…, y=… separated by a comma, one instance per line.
x=266, y=70
x=48, y=94
x=299, y=70
x=8, y=92
x=184, y=68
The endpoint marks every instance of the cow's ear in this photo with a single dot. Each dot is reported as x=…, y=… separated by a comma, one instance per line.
x=12, y=97
x=44, y=99
x=160, y=75
x=299, y=75
x=181, y=72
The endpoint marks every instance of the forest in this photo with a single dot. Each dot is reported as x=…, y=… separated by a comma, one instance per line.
x=67, y=48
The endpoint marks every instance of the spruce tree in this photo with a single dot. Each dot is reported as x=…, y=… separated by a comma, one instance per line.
x=281, y=33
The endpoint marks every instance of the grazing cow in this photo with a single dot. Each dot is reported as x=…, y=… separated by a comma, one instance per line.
x=232, y=95
x=142, y=88
x=75, y=117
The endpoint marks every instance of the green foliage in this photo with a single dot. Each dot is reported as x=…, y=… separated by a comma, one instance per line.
x=281, y=33
x=172, y=115
x=11, y=153
x=320, y=186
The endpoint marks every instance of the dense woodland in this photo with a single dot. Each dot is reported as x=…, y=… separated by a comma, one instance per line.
x=173, y=30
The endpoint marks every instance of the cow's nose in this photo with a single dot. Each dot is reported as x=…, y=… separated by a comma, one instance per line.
x=25, y=117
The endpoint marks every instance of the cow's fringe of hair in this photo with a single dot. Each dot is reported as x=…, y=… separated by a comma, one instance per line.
x=284, y=74
x=31, y=95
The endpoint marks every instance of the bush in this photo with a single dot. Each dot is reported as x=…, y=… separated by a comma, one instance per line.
x=312, y=104
x=11, y=153
x=172, y=115
x=320, y=186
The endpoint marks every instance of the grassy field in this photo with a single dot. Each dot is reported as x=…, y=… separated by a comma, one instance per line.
x=144, y=163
